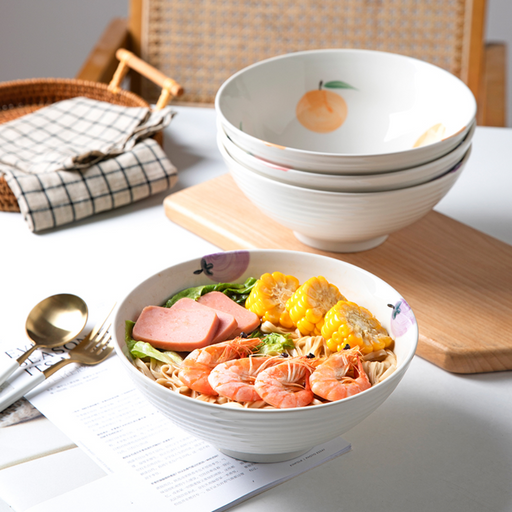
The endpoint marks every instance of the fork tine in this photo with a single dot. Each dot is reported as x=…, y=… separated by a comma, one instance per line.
x=103, y=344
x=96, y=330
x=99, y=337
x=107, y=349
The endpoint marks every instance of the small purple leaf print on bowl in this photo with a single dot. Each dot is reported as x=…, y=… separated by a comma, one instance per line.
x=402, y=318
x=224, y=266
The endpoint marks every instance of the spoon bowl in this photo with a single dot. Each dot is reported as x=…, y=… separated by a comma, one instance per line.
x=51, y=323
x=56, y=320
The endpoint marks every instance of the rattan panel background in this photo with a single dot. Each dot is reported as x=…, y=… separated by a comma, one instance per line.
x=200, y=43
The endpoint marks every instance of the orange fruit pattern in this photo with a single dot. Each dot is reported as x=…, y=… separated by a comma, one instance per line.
x=323, y=111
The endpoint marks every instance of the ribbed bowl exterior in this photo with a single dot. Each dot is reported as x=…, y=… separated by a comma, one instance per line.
x=339, y=216
x=274, y=432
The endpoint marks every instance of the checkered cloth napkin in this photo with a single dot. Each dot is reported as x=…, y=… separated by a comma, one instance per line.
x=79, y=157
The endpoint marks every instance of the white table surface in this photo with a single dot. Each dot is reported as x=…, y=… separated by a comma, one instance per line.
x=440, y=442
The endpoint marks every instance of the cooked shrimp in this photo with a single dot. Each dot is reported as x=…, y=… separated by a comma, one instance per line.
x=199, y=363
x=340, y=376
x=235, y=379
x=286, y=385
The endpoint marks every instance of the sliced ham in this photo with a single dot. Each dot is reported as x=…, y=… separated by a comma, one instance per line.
x=247, y=320
x=181, y=328
x=227, y=322
x=227, y=327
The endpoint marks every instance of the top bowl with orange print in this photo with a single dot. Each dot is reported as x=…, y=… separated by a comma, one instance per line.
x=345, y=111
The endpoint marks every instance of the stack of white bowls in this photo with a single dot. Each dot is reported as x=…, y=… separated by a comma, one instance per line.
x=345, y=147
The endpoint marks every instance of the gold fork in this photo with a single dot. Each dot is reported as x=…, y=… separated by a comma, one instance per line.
x=93, y=349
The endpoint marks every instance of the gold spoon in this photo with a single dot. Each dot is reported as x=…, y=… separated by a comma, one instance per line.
x=51, y=323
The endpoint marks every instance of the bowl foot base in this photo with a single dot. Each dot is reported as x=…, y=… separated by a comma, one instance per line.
x=268, y=458
x=326, y=245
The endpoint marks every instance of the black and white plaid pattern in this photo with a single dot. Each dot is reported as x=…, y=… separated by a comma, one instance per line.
x=80, y=157
x=75, y=133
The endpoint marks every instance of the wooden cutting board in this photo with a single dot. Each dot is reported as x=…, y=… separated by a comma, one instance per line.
x=457, y=280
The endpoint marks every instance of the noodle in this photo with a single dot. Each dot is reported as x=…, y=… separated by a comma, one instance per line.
x=377, y=371
x=315, y=345
x=144, y=368
x=268, y=328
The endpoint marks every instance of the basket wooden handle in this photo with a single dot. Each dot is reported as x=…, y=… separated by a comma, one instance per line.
x=127, y=60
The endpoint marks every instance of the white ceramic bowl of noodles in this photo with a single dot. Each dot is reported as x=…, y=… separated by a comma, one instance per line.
x=269, y=435
x=345, y=110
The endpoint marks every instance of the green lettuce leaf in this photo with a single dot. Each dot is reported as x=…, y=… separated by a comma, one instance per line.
x=235, y=291
x=143, y=349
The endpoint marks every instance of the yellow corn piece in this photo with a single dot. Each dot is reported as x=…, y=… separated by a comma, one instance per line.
x=349, y=324
x=268, y=298
x=309, y=304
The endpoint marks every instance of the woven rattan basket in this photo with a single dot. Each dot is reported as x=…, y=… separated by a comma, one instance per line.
x=21, y=97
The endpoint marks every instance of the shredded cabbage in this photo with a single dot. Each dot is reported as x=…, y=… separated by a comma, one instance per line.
x=275, y=344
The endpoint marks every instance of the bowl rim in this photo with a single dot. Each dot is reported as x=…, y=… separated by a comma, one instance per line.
x=461, y=148
x=398, y=374
x=348, y=156
x=368, y=180
x=382, y=194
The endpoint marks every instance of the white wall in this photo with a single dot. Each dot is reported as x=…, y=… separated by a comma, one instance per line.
x=51, y=38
